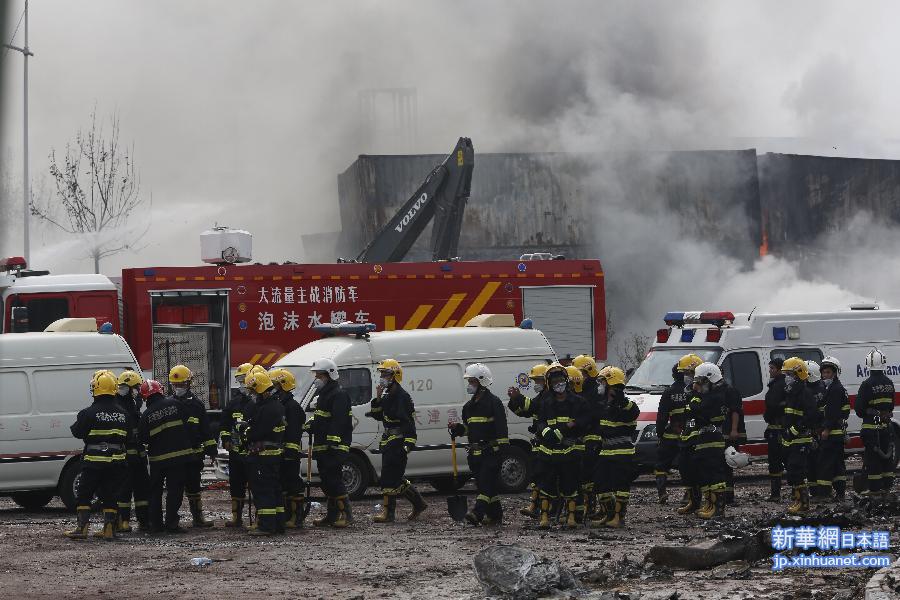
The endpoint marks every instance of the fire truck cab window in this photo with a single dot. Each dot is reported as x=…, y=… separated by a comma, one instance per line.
x=43, y=311
x=358, y=384
x=741, y=370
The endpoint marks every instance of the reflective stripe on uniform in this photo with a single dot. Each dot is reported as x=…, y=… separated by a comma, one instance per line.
x=292, y=446
x=480, y=420
x=121, y=432
x=165, y=425
x=110, y=458
x=168, y=455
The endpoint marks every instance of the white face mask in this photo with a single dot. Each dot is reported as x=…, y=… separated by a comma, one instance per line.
x=123, y=390
x=601, y=388
x=385, y=381
x=181, y=392
x=790, y=380
x=538, y=388
x=135, y=393
x=318, y=383
x=827, y=382
x=560, y=387
x=471, y=388
x=688, y=379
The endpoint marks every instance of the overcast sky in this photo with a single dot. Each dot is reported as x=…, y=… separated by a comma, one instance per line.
x=243, y=113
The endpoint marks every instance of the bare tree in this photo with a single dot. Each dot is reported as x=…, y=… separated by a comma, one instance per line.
x=99, y=188
x=632, y=351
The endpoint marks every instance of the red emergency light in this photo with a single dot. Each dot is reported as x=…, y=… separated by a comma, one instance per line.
x=713, y=335
x=12, y=263
x=662, y=335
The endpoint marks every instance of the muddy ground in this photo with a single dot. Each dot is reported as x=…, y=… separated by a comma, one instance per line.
x=429, y=559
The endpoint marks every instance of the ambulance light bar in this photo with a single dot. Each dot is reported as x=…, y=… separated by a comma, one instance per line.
x=345, y=328
x=13, y=263
x=679, y=319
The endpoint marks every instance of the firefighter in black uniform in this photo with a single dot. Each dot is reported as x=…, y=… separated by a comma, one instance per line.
x=137, y=482
x=669, y=425
x=774, y=418
x=264, y=437
x=692, y=499
x=394, y=407
x=801, y=417
x=819, y=489
x=332, y=429
x=198, y=425
x=562, y=421
x=484, y=424
x=615, y=464
x=703, y=435
x=734, y=430
x=834, y=428
x=875, y=406
x=238, y=410
x=528, y=408
x=105, y=428
x=163, y=430
x=294, y=418
x=589, y=373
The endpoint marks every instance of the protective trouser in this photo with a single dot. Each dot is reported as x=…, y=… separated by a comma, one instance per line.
x=776, y=456
x=330, y=464
x=797, y=464
x=613, y=476
x=103, y=479
x=561, y=477
x=237, y=475
x=170, y=477
x=586, y=475
x=832, y=471
x=686, y=468
x=291, y=486
x=393, y=468
x=879, y=469
x=193, y=472
x=136, y=482
x=708, y=463
x=485, y=467
x=265, y=484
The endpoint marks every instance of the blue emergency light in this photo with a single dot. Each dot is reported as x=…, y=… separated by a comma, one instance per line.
x=687, y=335
x=779, y=333
x=680, y=319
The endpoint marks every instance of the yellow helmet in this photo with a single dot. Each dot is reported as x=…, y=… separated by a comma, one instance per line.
x=389, y=364
x=241, y=372
x=130, y=378
x=576, y=377
x=258, y=382
x=555, y=368
x=284, y=378
x=103, y=384
x=614, y=375
x=586, y=364
x=257, y=369
x=538, y=371
x=180, y=374
x=689, y=362
x=101, y=372
x=797, y=367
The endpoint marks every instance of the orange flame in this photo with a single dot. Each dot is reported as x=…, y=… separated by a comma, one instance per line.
x=764, y=246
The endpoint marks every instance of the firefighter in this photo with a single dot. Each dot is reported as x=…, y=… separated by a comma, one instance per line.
x=523, y=406
x=137, y=481
x=669, y=425
x=180, y=378
x=484, y=424
x=800, y=419
x=819, y=489
x=734, y=430
x=332, y=429
x=238, y=410
x=562, y=420
x=291, y=480
x=615, y=464
x=875, y=406
x=106, y=428
x=264, y=436
x=774, y=418
x=691, y=501
x=705, y=414
x=834, y=428
x=163, y=430
x=589, y=373
x=393, y=406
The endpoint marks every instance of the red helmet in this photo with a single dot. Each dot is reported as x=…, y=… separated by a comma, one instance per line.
x=150, y=387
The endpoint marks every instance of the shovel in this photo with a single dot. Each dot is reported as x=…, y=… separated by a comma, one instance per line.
x=307, y=501
x=457, y=505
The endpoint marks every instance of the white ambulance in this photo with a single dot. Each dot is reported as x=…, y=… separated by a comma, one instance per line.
x=433, y=362
x=743, y=344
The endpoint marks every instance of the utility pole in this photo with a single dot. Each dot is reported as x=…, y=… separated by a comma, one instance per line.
x=26, y=184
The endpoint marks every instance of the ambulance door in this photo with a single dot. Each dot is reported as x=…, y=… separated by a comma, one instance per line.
x=742, y=370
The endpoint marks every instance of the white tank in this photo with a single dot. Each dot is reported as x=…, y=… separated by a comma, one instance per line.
x=223, y=245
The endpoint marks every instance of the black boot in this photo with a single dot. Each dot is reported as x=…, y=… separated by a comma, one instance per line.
x=82, y=525
x=237, y=513
x=840, y=490
x=415, y=498
x=196, y=506
x=110, y=522
x=344, y=513
x=661, y=488
x=123, y=523
x=388, y=509
x=142, y=512
x=775, y=488
x=330, y=514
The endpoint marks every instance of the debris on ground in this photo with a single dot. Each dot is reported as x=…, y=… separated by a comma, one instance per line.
x=711, y=553
x=614, y=572
x=516, y=573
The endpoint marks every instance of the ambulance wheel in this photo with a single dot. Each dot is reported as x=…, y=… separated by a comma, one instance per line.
x=68, y=484
x=357, y=475
x=33, y=500
x=513, y=469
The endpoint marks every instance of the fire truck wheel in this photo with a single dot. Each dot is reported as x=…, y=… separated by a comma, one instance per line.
x=357, y=475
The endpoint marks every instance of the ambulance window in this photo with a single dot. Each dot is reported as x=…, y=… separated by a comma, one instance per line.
x=813, y=354
x=741, y=370
x=358, y=384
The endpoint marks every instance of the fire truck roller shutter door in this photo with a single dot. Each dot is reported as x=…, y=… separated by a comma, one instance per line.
x=564, y=314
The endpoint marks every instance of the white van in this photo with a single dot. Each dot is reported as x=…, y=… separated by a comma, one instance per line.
x=44, y=382
x=433, y=362
x=742, y=345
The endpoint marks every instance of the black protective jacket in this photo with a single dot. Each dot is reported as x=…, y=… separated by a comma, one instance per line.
x=106, y=428
x=332, y=422
x=265, y=429
x=294, y=418
x=837, y=408
x=395, y=409
x=483, y=422
x=164, y=431
x=561, y=423
x=670, y=416
x=801, y=415
x=774, y=412
x=198, y=426
x=241, y=408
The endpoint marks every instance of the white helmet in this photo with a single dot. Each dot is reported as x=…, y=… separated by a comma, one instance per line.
x=709, y=371
x=814, y=372
x=325, y=365
x=480, y=372
x=735, y=459
x=830, y=361
x=875, y=360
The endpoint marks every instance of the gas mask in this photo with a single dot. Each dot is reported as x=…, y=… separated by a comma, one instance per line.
x=471, y=388
x=318, y=384
x=123, y=390
x=181, y=392
x=559, y=387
